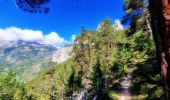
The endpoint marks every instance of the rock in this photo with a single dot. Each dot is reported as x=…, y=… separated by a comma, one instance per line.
x=118, y=25
x=62, y=54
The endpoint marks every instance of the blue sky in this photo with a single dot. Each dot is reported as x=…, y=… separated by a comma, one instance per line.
x=65, y=16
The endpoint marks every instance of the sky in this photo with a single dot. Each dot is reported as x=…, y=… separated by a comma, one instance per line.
x=61, y=24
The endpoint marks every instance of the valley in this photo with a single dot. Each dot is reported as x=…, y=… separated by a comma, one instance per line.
x=29, y=58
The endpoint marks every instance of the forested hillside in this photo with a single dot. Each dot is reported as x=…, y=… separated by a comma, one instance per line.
x=108, y=63
x=99, y=61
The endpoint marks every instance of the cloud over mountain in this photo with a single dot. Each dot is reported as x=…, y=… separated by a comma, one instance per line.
x=15, y=34
x=53, y=39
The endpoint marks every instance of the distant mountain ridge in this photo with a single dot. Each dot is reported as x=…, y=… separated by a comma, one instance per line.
x=29, y=58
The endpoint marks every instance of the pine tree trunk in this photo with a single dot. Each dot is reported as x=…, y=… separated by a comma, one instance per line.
x=160, y=21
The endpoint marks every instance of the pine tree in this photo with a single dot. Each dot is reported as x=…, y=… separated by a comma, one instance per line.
x=97, y=80
x=160, y=27
x=137, y=15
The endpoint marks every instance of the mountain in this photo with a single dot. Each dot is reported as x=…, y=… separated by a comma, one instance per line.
x=62, y=54
x=117, y=25
x=28, y=58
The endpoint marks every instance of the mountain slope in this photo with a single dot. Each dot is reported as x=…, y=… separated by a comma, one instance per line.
x=24, y=57
x=62, y=54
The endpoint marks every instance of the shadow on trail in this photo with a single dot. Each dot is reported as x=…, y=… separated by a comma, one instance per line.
x=141, y=82
x=146, y=80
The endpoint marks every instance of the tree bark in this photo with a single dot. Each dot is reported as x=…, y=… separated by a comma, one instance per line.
x=160, y=22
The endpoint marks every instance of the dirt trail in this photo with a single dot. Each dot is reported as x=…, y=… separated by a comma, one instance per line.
x=125, y=86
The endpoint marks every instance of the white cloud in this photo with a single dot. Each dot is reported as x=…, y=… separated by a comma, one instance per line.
x=53, y=39
x=15, y=34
